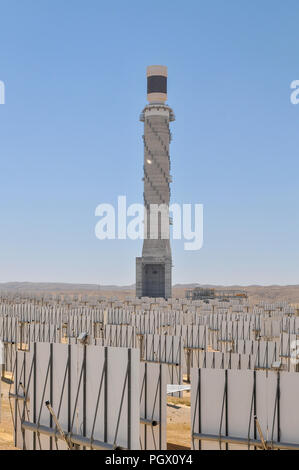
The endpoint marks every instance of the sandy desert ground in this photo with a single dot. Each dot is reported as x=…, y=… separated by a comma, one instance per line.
x=179, y=422
x=6, y=424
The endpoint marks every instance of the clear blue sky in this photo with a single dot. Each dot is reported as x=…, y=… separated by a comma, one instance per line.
x=70, y=136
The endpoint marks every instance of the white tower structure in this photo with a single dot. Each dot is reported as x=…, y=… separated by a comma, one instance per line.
x=153, y=269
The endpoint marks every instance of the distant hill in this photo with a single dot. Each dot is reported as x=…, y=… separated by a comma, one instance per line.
x=256, y=293
x=57, y=286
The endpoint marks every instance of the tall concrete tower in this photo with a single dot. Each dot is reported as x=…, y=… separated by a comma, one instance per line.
x=153, y=269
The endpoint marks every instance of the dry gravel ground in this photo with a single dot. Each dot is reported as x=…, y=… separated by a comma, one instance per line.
x=6, y=425
x=179, y=422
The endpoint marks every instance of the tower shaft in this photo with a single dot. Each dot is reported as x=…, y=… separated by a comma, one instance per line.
x=153, y=269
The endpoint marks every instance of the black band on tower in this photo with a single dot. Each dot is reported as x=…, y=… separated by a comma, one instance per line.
x=156, y=84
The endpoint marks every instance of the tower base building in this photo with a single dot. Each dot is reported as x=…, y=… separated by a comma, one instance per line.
x=153, y=277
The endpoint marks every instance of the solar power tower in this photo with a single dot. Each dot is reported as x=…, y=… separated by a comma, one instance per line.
x=153, y=269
